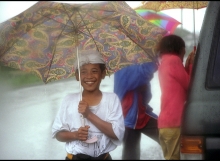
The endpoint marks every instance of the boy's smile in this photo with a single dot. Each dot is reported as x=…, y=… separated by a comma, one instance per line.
x=89, y=82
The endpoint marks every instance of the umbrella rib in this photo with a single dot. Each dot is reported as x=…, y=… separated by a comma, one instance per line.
x=152, y=57
x=106, y=17
x=79, y=31
x=110, y=20
x=55, y=43
x=54, y=49
x=119, y=30
x=112, y=26
x=88, y=31
x=103, y=18
x=87, y=12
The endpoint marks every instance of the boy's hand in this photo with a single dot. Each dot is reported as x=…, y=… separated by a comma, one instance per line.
x=83, y=133
x=83, y=108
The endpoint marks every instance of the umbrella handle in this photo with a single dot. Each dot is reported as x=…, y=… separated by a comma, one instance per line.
x=82, y=120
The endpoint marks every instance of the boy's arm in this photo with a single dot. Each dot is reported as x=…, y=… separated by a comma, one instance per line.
x=67, y=136
x=102, y=125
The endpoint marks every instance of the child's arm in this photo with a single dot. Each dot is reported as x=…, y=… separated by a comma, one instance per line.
x=67, y=136
x=102, y=125
x=189, y=61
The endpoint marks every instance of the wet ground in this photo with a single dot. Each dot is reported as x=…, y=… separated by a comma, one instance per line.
x=27, y=114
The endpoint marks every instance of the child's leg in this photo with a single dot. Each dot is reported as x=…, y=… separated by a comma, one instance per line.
x=131, y=145
x=170, y=143
x=151, y=130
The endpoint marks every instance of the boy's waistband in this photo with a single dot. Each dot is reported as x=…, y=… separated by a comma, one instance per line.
x=84, y=156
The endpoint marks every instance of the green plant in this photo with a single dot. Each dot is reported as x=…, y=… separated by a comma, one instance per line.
x=17, y=78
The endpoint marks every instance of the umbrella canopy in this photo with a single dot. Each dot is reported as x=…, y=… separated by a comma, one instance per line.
x=45, y=38
x=160, y=19
x=165, y=5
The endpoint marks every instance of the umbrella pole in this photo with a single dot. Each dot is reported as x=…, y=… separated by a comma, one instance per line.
x=80, y=87
x=194, y=28
x=181, y=19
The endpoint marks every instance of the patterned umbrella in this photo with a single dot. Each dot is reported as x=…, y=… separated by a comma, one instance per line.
x=45, y=38
x=165, y=5
x=160, y=19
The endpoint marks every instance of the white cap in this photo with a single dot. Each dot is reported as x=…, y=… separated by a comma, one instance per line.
x=88, y=57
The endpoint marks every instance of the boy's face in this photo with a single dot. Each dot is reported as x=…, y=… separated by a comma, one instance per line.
x=91, y=76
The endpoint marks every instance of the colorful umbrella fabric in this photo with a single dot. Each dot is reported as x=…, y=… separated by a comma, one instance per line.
x=45, y=38
x=165, y=5
x=160, y=19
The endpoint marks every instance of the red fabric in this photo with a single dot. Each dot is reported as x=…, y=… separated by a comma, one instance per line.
x=127, y=102
x=142, y=118
x=174, y=82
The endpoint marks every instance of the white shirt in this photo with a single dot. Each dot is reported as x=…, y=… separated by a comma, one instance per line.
x=109, y=109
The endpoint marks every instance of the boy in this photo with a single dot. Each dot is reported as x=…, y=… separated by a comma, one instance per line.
x=102, y=114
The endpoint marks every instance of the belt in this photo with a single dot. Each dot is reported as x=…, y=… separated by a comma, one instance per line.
x=102, y=156
x=69, y=156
